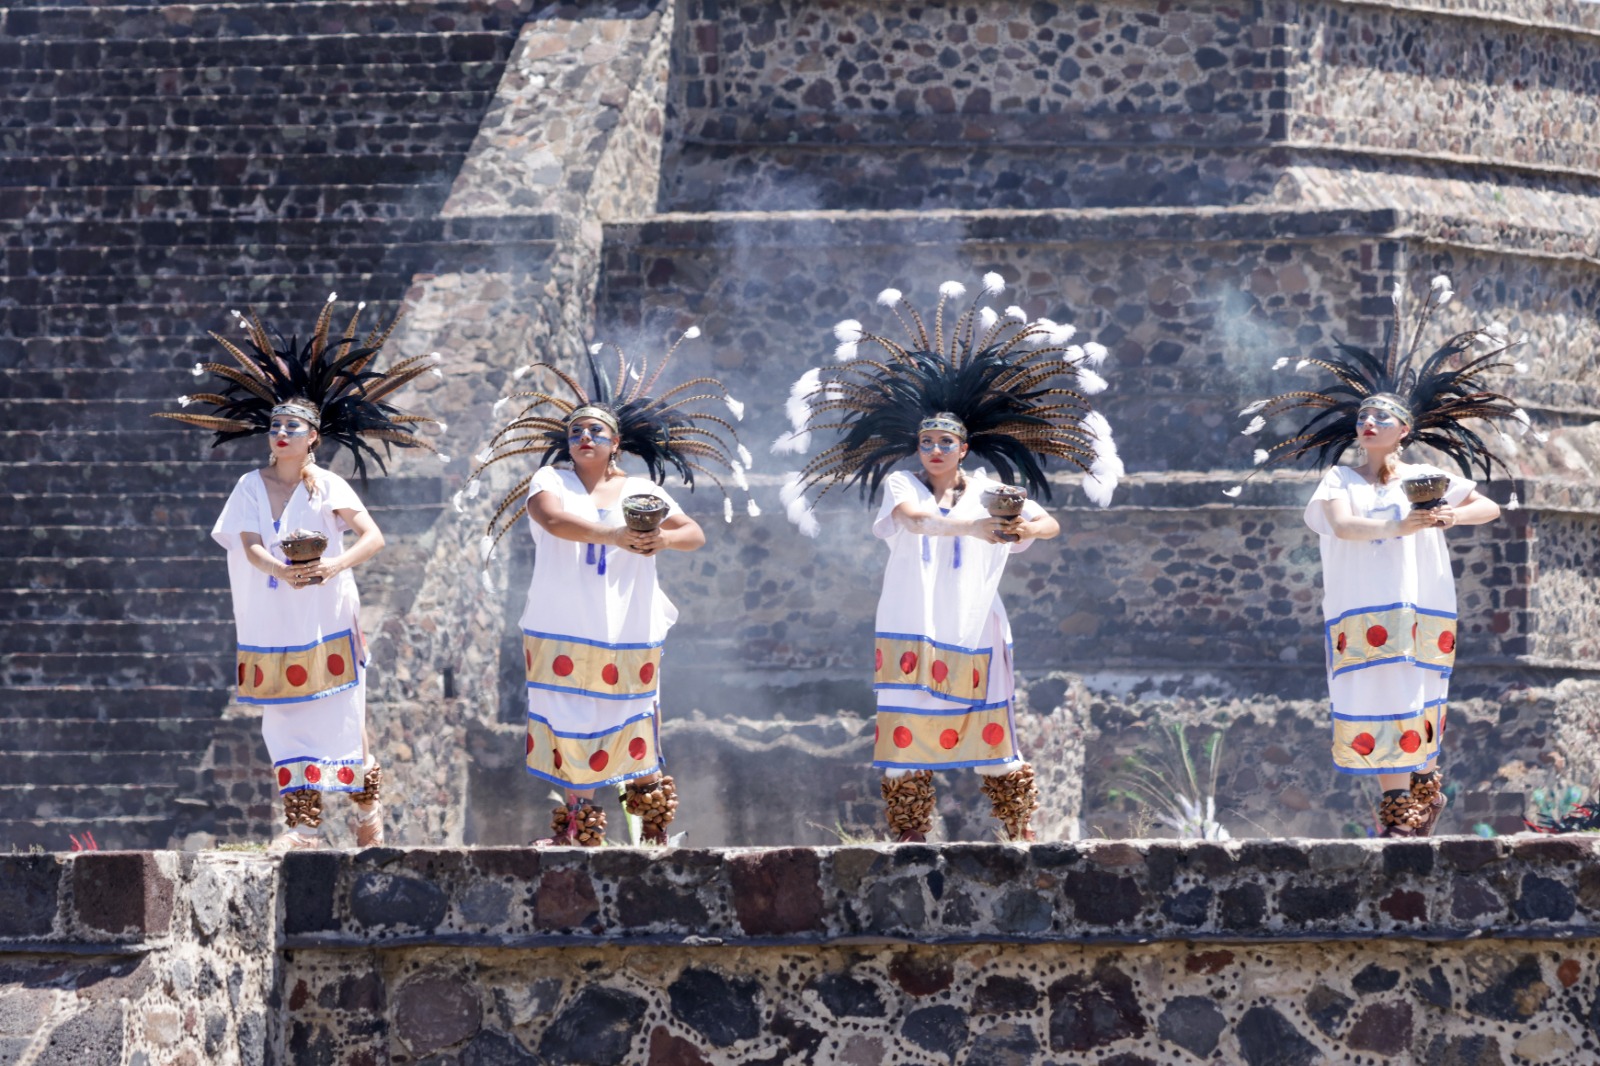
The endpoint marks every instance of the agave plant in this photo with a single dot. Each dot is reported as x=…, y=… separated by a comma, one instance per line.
x=1172, y=783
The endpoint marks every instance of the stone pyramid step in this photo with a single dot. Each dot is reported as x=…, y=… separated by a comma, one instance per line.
x=106, y=54
x=167, y=637
x=111, y=833
x=203, y=573
x=283, y=169
x=341, y=143
x=66, y=734
x=294, y=80
x=92, y=767
x=156, y=20
x=409, y=492
x=126, y=668
x=212, y=476
x=75, y=542
x=107, y=704
x=363, y=111
x=157, y=445
x=80, y=605
x=91, y=802
x=296, y=299
x=79, y=237
x=375, y=201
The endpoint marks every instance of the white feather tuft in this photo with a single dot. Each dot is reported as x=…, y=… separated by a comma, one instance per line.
x=993, y=284
x=500, y=405
x=443, y=458
x=799, y=512
x=1074, y=354
x=1445, y=297
x=361, y=306
x=185, y=401
x=751, y=509
x=1513, y=504
x=845, y=352
x=444, y=427
x=198, y=370
x=455, y=501
x=474, y=486
x=739, y=477
x=1233, y=493
x=736, y=407
x=597, y=348
x=792, y=444
x=889, y=297
x=848, y=332
x=1261, y=455
x=1095, y=352
x=791, y=490
x=1440, y=283
x=798, y=406
x=1281, y=362
x=1061, y=334
x=1253, y=408
x=952, y=290
x=1542, y=438
x=691, y=333
x=1099, y=489
x=744, y=457
x=1257, y=424
x=332, y=296
x=1016, y=314
x=519, y=373
x=987, y=317
x=727, y=510
x=436, y=372
x=1520, y=368
x=1090, y=382
x=633, y=373
x=1301, y=365
x=1522, y=420
x=486, y=548
x=488, y=581
x=484, y=456
x=1396, y=293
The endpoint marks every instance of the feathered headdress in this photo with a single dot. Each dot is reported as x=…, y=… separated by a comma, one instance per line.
x=348, y=398
x=668, y=431
x=1017, y=387
x=1435, y=396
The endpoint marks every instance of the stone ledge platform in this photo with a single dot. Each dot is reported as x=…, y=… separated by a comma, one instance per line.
x=1128, y=952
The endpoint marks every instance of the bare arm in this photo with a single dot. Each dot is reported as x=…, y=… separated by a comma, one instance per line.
x=1045, y=527
x=1476, y=510
x=678, y=532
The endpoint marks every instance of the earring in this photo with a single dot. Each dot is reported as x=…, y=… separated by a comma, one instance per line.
x=272, y=459
x=1360, y=456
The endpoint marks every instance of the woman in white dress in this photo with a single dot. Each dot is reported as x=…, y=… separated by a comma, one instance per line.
x=1389, y=597
x=1014, y=393
x=596, y=619
x=301, y=655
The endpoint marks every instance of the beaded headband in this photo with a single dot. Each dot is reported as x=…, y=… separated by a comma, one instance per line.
x=942, y=422
x=302, y=411
x=1383, y=403
x=599, y=414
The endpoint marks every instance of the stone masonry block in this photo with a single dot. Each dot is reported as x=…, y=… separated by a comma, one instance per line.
x=122, y=892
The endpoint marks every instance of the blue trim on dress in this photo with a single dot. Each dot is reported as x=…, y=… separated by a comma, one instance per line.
x=881, y=764
x=590, y=736
x=575, y=786
x=650, y=695
x=590, y=643
x=1391, y=661
x=301, y=647
x=935, y=712
x=883, y=686
x=1389, y=717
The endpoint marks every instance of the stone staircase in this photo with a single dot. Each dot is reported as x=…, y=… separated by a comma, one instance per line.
x=160, y=165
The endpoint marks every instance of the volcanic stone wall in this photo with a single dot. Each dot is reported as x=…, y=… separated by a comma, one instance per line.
x=1439, y=951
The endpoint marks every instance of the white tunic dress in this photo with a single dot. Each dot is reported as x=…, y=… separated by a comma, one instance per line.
x=1389, y=626
x=301, y=656
x=592, y=634
x=942, y=661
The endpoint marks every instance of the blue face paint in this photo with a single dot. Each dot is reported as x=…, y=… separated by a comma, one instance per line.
x=946, y=444
x=288, y=427
x=595, y=433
